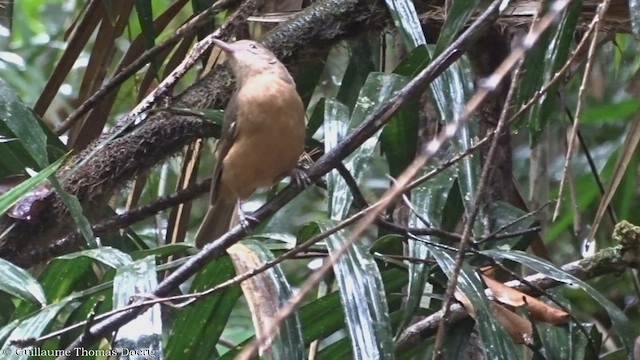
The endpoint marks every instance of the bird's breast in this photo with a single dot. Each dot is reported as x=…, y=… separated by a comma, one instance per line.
x=270, y=138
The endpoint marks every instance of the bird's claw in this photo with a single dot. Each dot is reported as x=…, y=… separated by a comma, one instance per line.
x=245, y=220
x=300, y=177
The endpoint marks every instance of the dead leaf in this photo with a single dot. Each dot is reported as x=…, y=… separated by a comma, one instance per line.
x=29, y=207
x=464, y=300
x=518, y=327
x=539, y=310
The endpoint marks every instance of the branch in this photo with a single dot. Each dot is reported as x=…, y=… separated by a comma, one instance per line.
x=112, y=161
x=75, y=240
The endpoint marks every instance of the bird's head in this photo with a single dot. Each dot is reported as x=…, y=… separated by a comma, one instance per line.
x=249, y=58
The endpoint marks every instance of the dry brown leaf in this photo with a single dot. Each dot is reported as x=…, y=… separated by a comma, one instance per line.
x=29, y=207
x=518, y=327
x=260, y=291
x=543, y=312
x=488, y=271
x=539, y=310
x=464, y=300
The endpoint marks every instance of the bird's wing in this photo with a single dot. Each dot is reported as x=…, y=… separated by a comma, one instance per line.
x=227, y=138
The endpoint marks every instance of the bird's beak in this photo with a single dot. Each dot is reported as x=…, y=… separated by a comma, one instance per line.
x=229, y=48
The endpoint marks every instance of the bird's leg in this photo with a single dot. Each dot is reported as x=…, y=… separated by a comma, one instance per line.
x=243, y=219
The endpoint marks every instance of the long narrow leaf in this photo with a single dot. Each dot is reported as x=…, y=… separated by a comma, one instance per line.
x=428, y=201
x=266, y=293
x=19, y=283
x=143, y=335
x=197, y=328
x=29, y=328
x=404, y=15
x=357, y=273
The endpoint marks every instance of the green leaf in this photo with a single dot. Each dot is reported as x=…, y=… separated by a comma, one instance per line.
x=340, y=349
x=356, y=74
x=12, y=196
x=162, y=251
x=307, y=78
x=457, y=342
x=453, y=209
x=450, y=93
x=143, y=333
x=415, y=62
x=144, y=9
x=97, y=304
x=335, y=127
x=428, y=199
x=361, y=290
x=609, y=112
x=317, y=118
x=31, y=327
x=405, y=18
x=75, y=209
x=568, y=342
x=198, y=327
x=399, y=139
x=216, y=116
x=28, y=129
x=21, y=284
x=378, y=89
x=504, y=215
x=549, y=55
x=105, y=254
x=62, y=277
x=457, y=16
x=324, y=316
x=357, y=263
x=24, y=124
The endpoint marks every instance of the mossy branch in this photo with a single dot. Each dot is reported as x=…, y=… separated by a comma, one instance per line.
x=94, y=176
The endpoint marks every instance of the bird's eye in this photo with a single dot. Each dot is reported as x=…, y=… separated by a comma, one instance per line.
x=253, y=46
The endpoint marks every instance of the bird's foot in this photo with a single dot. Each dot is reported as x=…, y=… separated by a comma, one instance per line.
x=300, y=177
x=244, y=219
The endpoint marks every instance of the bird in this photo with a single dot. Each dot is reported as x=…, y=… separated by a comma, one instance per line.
x=262, y=138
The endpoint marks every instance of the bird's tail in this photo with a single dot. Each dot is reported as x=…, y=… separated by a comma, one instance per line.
x=216, y=222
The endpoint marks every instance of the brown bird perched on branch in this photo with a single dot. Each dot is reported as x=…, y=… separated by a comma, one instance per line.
x=262, y=136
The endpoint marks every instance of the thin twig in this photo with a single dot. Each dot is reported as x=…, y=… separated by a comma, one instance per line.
x=165, y=87
x=465, y=240
x=494, y=235
x=190, y=27
x=602, y=8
